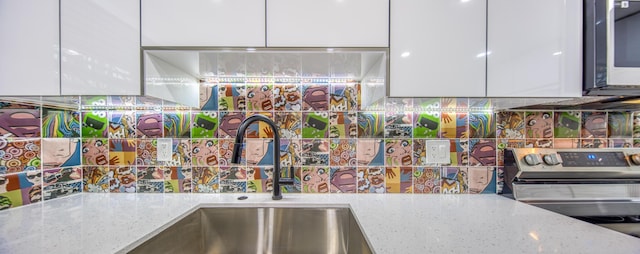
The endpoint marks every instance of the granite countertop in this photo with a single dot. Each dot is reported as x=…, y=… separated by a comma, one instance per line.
x=393, y=223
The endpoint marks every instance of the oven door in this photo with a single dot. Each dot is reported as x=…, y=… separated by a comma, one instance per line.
x=623, y=38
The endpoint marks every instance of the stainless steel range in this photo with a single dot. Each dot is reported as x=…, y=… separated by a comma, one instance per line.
x=601, y=186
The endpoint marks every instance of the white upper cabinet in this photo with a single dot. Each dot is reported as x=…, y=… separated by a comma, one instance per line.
x=100, y=47
x=438, y=48
x=327, y=23
x=29, y=48
x=535, y=48
x=239, y=23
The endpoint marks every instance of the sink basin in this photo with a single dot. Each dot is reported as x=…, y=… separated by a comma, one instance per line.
x=261, y=230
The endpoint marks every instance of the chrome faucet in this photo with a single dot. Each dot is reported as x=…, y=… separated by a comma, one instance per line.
x=237, y=152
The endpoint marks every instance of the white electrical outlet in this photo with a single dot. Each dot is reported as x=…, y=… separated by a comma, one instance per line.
x=164, y=146
x=438, y=151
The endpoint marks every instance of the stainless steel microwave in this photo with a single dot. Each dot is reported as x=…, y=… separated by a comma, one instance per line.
x=612, y=47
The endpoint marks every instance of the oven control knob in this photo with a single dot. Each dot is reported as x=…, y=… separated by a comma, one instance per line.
x=532, y=159
x=551, y=159
x=635, y=159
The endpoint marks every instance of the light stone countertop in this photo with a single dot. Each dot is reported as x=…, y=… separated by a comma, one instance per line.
x=393, y=223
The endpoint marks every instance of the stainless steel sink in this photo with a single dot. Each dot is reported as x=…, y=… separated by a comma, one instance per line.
x=261, y=230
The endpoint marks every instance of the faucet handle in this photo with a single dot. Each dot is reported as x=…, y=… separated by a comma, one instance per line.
x=289, y=180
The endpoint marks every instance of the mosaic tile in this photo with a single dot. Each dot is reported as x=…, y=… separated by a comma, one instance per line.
x=454, y=125
x=499, y=180
x=122, y=124
x=289, y=124
x=539, y=124
x=315, y=152
x=229, y=123
x=62, y=182
x=426, y=180
x=259, y=179
x=399, y=104
x=370, y=124
x=371, y=180
x=343, y=97
x=146, y=152
x=594, y=125
x=482, y=180
x=94, y=124
x=620, y=124
x=539, y=143
x=95, y=151
x=398, y=124
x=150, y=179
x=482, y=152
x=208, y=96
x=58, y=123
x=510, y=125
x=343, y=125
x=178, y=179
x=315, y=97
x=20, y=189
x=297, y=182
x=420, y=152
x=93, y=101
x=454, y=103
x=122, y=179
x=567, y=124
x=20, y=123
x=459, y=152
x=259, y=129
x=177, y=124
x=204, y=152
x=426, y=124
x=121, y=100
x=290, y=150
x=180, y=153
x=620, y=142
x=370, y=152
x=233, y=179
x=315, y=124
x=231, y=97
x=398, y=179
x=60, y=152
x=427, y=104
x=483, y=125
x=287, y=97
x=19, y=154
x=315, y=179
x=95, y=179
x=259, y=152
x=225, y=148
x=566, y=143
x=593, y=143
x=149, y=125
x=204, y=124
x=343, y=180
x=260, y=97
x=398, y=152
x=454, y=180
x=343, y=152
x=122, y=152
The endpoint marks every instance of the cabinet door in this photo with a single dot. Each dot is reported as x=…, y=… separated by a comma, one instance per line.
x=239, y=23
x=536, y=48
x=437, y=48
x=100, y=47
x=29, y=48
x=327, y=23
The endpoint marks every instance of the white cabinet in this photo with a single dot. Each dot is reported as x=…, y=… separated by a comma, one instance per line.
x=239, y=23
x=100, y=43
x=29, y=48
x=536, y=48
x=327, y=23
x=437, y=48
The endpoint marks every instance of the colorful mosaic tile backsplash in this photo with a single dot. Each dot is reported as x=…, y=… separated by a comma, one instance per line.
x=334, y=144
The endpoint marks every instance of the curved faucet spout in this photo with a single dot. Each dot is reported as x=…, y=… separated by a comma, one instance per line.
x=237, y=151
